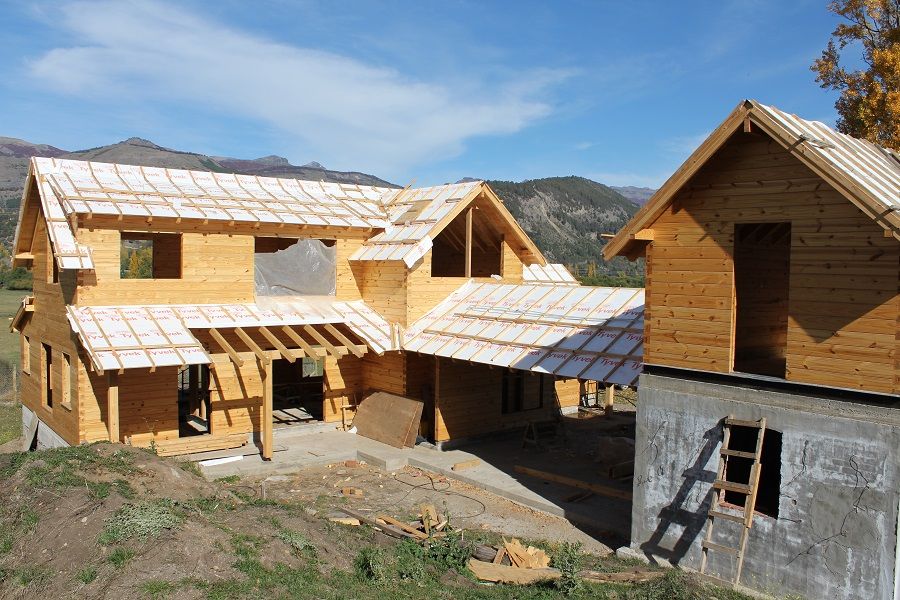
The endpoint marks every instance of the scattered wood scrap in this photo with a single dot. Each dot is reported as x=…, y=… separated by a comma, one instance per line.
x=633, y=576
x=515, y=563
x=352, y=492
x=486, y=571
x=466, y=464
x=525, y=557
x=352, y=521
x=600, y=490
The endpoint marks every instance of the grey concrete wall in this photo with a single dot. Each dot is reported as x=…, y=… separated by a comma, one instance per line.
x=836, y=533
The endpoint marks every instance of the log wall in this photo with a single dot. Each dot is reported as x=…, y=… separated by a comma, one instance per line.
x=843, y=299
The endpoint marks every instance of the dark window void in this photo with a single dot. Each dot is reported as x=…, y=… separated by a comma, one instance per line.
x=522, y=391
x=193, y=400
x=448, y=254
x=762, y=260
x=150, y=255
x=298, y=391
x=769, y=490
x=47, y=359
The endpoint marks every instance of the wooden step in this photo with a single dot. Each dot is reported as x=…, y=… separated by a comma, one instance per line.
x=730, y=486
x=727, y=516
x=719, y=548
x=742, y=423
x=737, y=453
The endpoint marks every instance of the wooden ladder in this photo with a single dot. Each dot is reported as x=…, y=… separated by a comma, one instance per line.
x=722, y=485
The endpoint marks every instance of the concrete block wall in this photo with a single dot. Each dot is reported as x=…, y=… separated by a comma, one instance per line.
x=836, y=531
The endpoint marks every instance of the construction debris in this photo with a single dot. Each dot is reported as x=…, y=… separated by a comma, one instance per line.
x=352, y=521
x=466, y=464
x=352, y=492
x=486, y=571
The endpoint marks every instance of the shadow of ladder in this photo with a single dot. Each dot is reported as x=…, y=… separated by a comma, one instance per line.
x=722, y=485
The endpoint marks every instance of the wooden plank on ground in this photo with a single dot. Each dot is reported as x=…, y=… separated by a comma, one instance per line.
x=388, y=418
x=486, y=571
x=600, y=490
x=200, y=443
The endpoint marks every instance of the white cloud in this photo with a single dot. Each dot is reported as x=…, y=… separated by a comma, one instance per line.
x=347, y=113
x=584, y=145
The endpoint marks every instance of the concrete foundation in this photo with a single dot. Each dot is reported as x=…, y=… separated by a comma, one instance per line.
x=836, y=531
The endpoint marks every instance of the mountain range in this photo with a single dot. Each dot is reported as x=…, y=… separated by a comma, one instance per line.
x=564, y=215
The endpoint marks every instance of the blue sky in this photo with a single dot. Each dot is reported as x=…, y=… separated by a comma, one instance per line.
x=620, y=92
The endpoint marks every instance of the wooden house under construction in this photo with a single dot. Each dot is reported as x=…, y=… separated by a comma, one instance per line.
x=768, y=421
x=262, y=302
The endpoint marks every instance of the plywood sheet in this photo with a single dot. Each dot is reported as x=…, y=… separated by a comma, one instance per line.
x=389, y=419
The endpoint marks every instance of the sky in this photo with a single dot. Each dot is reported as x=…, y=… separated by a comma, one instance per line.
x=423, y=92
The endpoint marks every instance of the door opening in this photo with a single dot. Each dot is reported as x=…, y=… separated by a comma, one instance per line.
x=762, y=264
x=298, y=391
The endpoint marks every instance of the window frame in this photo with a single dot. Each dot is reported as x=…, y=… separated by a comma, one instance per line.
x=26, y=355
x=46, y=376
x=152, y=237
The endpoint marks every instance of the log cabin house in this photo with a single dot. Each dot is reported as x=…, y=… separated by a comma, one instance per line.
x=771, y=360
x=264, y=302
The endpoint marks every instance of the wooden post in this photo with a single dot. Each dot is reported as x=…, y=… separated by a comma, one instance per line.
x=195, y=405
x=469, y=242
x=267, y=410
x=436, y=413
x=610, y=398
x=112, y=405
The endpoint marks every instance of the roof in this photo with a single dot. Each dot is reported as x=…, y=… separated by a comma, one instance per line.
x=867, y=174
x=579, y=332
x=549, y=273
x=126, y=337
x=68, y=187
x=417, y=216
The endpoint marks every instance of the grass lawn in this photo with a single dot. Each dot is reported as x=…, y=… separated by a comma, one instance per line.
x=9, y=342
x=10, y=421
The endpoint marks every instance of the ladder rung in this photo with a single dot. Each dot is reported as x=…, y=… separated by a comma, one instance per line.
x=727, y=516
x=719, y=548
x=730, y=486
x=742, y=423
x=738, y=453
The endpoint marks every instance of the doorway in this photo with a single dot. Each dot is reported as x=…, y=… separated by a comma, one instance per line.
x=193, y=401
x=762, y=269
x=298, y=391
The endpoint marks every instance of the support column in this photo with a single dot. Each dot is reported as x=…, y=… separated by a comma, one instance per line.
x=266, y=415
x=609, y=399
x=469, y=242
x=112, y=406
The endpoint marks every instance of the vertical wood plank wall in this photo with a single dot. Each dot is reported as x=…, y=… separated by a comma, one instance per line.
x=844, y=301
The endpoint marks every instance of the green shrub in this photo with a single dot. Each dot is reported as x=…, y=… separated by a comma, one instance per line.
x=140, y=520
x=296, y=541
x=120, y=556
x=567, y=559
x=449, y=552
x=410, y=557
x=371, y=564
x=87, y=575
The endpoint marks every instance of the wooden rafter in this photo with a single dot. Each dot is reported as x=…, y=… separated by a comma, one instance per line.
x=469, y=242
x=282, y=349
x=332, y=349
x=310, y=351
x=356, y=349
x=232, y=354
x=254, y=347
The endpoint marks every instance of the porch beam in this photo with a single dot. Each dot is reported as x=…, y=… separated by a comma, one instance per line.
x=267, y=411
x=310, y=351
x=282, y=349
x=231, y=352
x=252, y=345
x=112, y=406
x=353, y=348
x=334, y=351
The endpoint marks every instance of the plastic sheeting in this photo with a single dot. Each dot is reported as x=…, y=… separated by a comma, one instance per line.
x=307, y=268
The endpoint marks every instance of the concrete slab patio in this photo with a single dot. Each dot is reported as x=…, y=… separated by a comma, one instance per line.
x=607, y=518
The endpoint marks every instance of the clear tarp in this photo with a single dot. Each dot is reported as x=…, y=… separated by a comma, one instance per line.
x=307, y=268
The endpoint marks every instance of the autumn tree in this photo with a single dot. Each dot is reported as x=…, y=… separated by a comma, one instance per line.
x=869, y=104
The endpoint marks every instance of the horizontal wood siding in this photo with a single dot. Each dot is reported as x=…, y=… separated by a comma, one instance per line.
x=843, y=301
x=148, y=406
x=469, y=401
x=48, y=325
